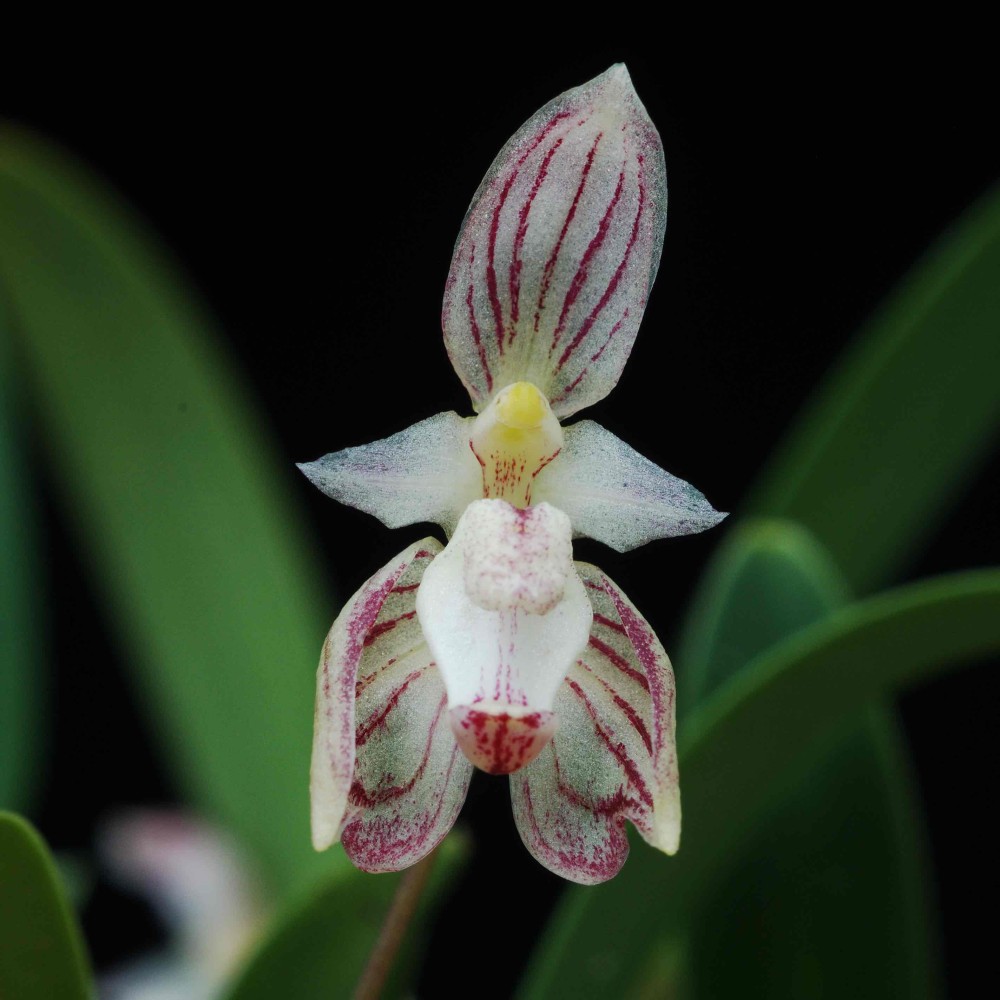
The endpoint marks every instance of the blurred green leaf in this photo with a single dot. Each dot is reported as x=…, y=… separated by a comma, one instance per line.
x=763, y=729
x=41, y=952
x=842, y=839
x=902, y=422
x=20, y=662
x=768, y=579
x=177, y=495
x=320, y=945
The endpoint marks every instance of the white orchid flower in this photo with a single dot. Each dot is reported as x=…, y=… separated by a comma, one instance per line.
x=498, y=650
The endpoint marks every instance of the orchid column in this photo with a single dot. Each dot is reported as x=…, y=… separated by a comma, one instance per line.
x=498, y=650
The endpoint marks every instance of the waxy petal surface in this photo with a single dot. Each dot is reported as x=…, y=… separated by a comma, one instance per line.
x=387, y=777
x=559, y=249
x=613, y=757
x=614, y=494
x=424, y=473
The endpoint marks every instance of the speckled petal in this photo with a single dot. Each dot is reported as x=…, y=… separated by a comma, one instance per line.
x=614, y=494
x=559, y=249
x=387, y=776
x=613, y=757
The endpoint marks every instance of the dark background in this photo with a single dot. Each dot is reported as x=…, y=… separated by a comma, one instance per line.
x=314, y=203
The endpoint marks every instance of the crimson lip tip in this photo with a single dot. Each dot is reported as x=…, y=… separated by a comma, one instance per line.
x=499, y=741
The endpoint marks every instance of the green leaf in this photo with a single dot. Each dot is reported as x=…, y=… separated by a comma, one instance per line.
x=740, y=750
x=177, y=495
x=783, y=914
x=903, y=421
x=843, y=839
x=20, y=660
x=319, y=946
x=768, y=579
x=41, y=952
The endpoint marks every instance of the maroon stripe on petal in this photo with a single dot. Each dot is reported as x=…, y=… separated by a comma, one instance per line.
x=336, y=703
x=363, y=682
x=364, y=732
x=611, y=334
x=358, y=627
x=360, y=623
x=544, y=462
x=640, y=635
x=447, y=776
x=360, y=796
x=491, y=274
x=616, y=277
x=380, y=629
x=550, y=264
x=516, y=263
x=619, y=661
x=583, y=374
x=607, y=805
x=618, y=750
x=477, y=335
x=375, y=672
x=582, y=271
x=626, y=707
x=380, y=838
x=631, y=714
x=644, y=643
x=566, y=852
x=608, y=623
x=532, y=819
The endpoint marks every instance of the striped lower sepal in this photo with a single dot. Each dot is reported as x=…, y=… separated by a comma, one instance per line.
x=388, y=778
x=613, y=757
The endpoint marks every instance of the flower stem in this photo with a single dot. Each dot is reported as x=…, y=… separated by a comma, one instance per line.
x=394, y=927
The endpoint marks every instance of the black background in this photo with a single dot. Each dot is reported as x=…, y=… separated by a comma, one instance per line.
x=313, y=189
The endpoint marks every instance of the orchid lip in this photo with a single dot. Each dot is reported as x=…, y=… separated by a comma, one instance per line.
x=502, y=609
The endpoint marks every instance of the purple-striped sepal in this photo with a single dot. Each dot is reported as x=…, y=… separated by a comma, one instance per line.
x=613, y=756
x=387, y=777
x=559, y=249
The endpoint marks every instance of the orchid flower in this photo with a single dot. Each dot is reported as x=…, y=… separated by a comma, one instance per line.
x=497, y=650
x=199, y=883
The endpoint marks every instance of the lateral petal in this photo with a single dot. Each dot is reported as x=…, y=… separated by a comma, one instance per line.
x=559, y=248
x=426, y=472
x=387, y=776
x=614, y=494
x=613, y=757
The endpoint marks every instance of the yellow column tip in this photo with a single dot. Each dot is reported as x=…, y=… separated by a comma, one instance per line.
x=521, y=406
